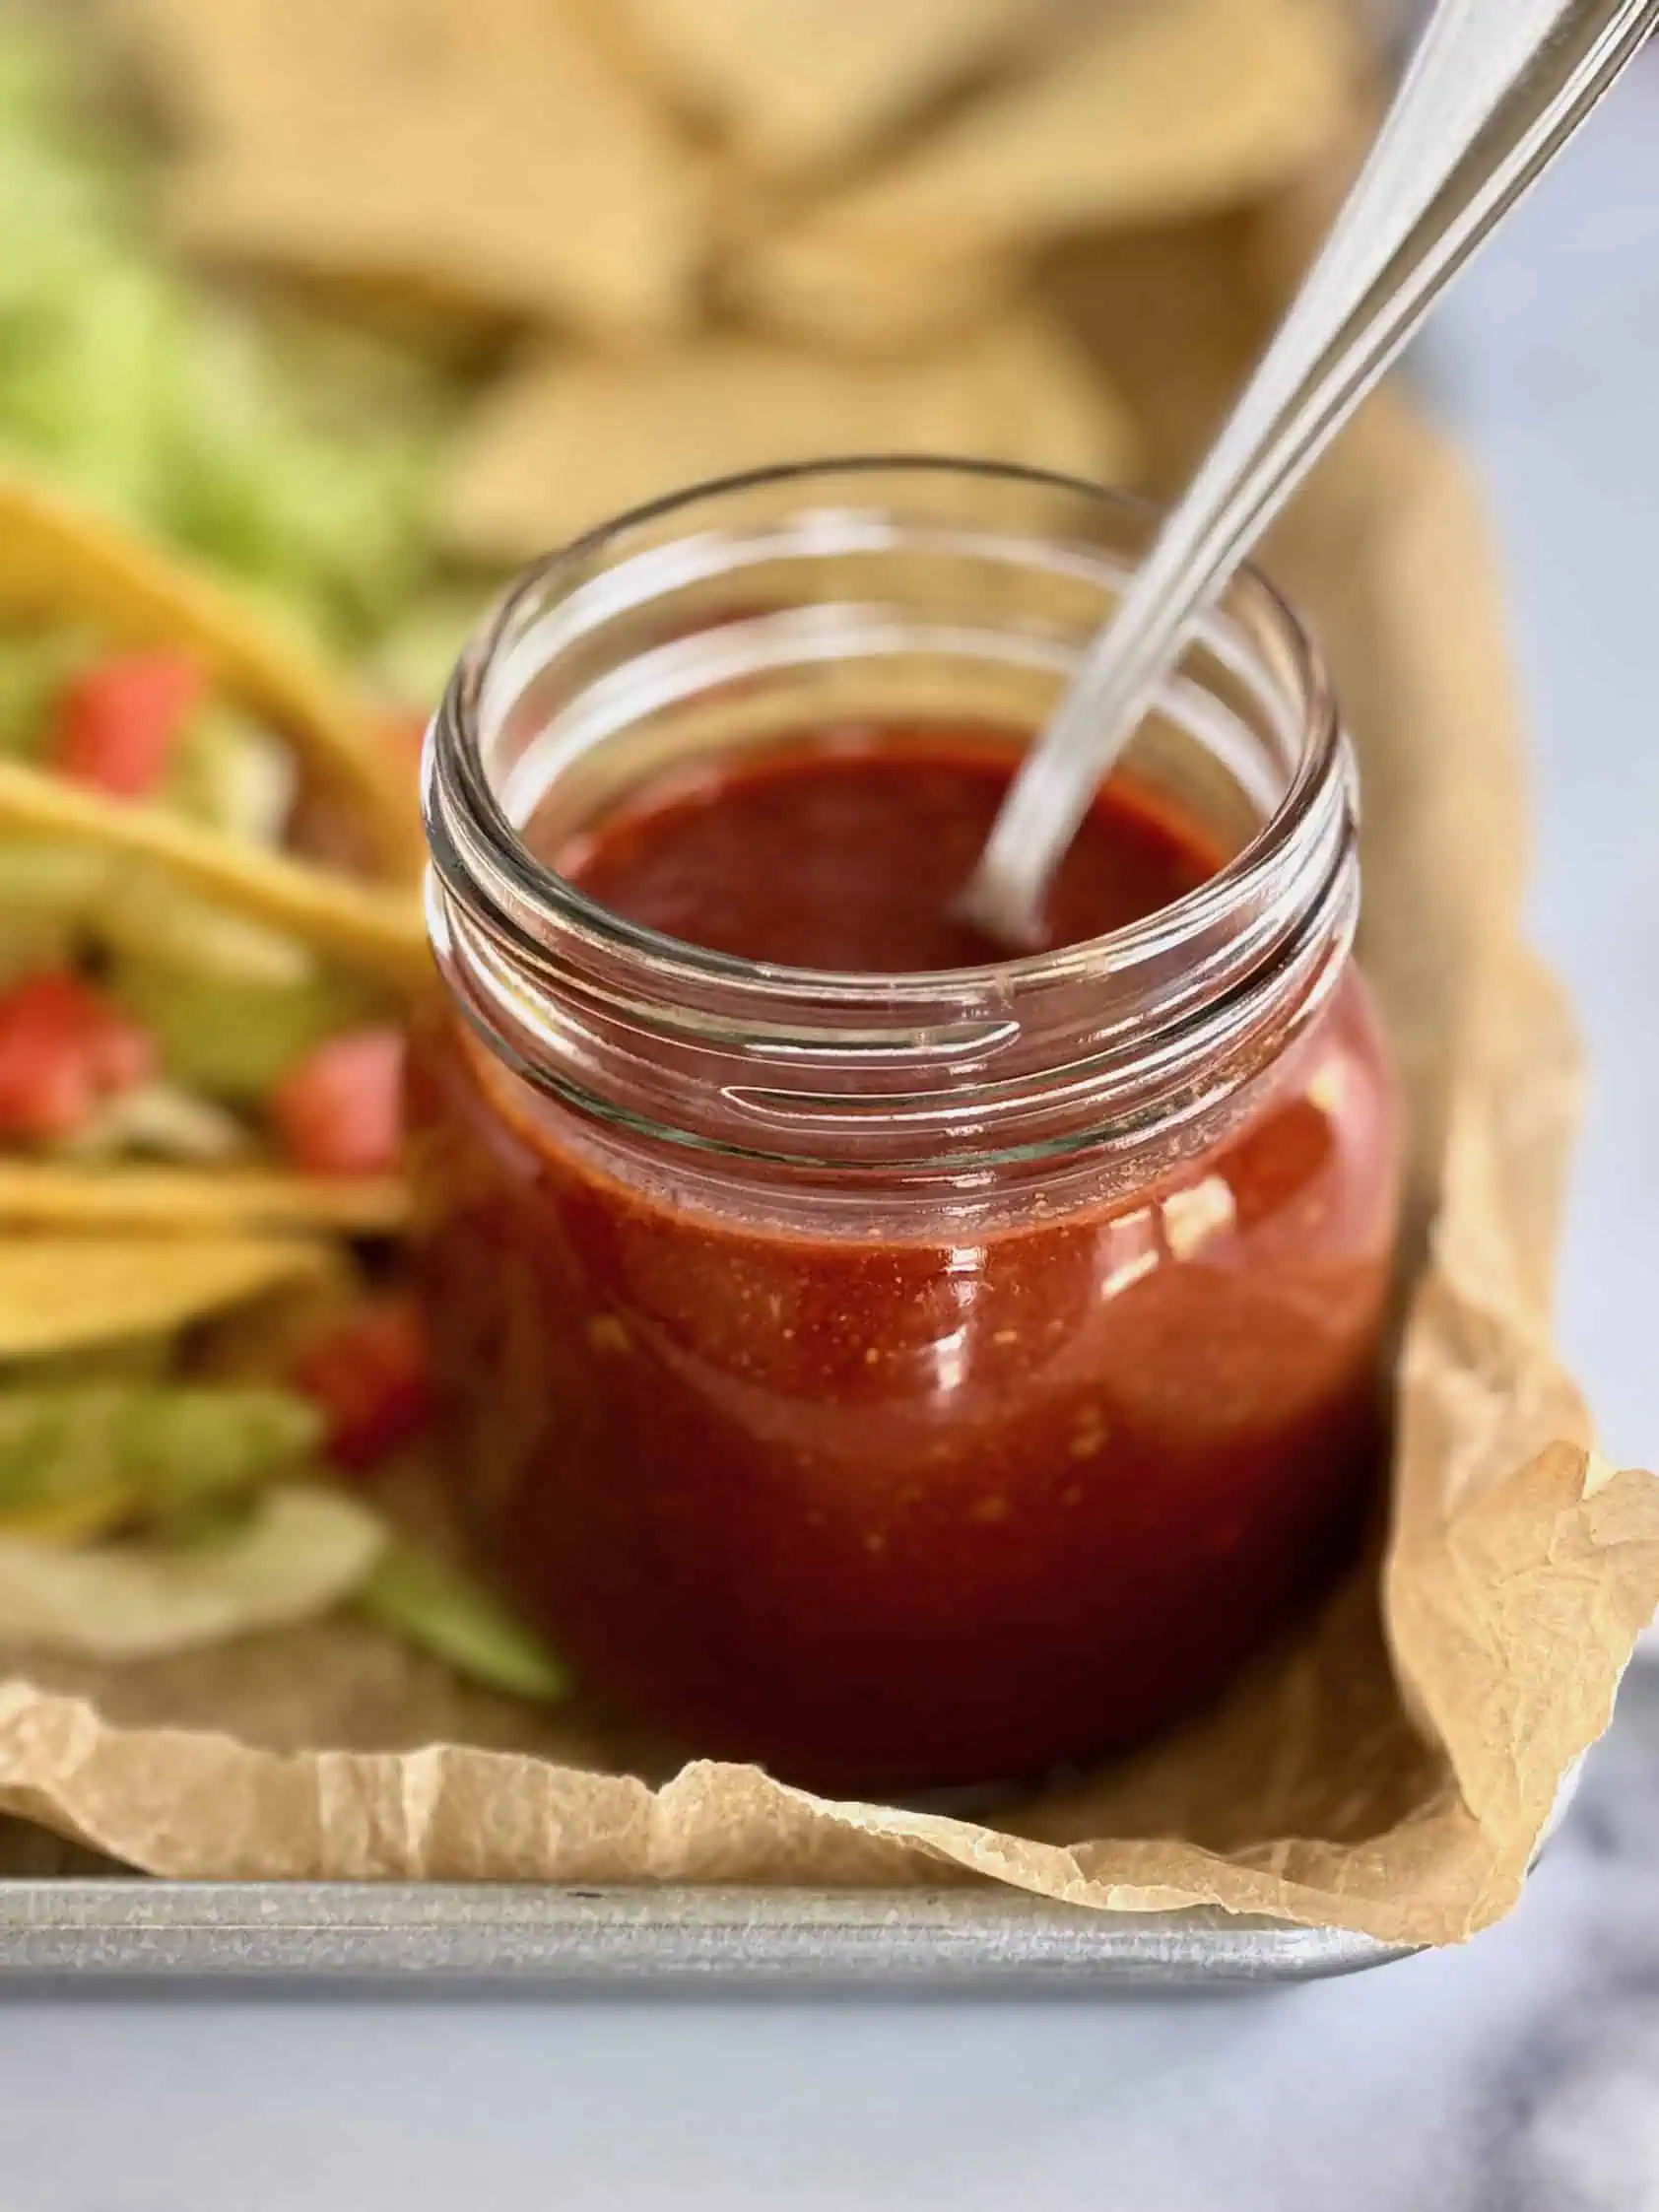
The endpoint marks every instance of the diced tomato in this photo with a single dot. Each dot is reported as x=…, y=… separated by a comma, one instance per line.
x=371, y=1379
x=118, y=722
x=64, y=1048
x=339, y=1112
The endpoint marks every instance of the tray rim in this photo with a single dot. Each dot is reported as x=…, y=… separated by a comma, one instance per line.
x=72, y=1932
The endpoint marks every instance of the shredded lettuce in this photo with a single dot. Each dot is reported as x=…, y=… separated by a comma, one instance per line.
x=162, y=1120
x=146, y=914
x=301, y=468
x=233, y=773
x=130, y=1359
x=429, y=1603
x=51, y=879
x=35, y=666
x=47, y=889
x=151, y=1450
x=299, y=1551
x=233, y=1036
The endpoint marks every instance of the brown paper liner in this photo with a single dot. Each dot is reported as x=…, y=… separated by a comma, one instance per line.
x=1386, y=1770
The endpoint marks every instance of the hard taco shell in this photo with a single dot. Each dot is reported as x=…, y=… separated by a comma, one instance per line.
x=63, y=1294
x=373, y=929
x=187, y=1202
x=62, y=562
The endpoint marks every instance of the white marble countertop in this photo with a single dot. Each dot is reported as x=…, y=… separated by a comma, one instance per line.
x=1518, y=2075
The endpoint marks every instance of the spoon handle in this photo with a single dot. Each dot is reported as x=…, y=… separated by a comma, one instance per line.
x=1495, y=90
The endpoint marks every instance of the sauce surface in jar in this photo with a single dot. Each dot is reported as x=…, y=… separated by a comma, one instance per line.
x=881, y=1499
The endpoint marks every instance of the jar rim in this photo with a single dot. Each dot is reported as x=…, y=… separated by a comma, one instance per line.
x=454, y=762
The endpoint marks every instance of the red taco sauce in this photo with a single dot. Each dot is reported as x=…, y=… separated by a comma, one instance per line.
x=892, y=1491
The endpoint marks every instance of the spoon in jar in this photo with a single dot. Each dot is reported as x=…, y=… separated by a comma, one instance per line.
x=1495, y=90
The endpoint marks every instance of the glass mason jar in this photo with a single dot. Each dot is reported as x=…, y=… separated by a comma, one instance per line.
x=912, y=1379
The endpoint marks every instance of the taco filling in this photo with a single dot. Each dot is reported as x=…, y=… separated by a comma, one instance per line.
x=204, y=1457
x=141, y=1018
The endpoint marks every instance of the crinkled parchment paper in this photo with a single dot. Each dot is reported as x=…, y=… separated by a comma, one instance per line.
x=1388, y=1770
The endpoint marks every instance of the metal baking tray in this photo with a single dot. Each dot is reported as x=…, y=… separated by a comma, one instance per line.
x=364, y=1935
x=68, y=1931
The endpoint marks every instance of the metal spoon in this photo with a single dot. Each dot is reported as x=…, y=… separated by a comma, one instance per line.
x=1494, y=92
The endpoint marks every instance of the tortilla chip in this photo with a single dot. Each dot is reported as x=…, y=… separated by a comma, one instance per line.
x=375, y=930
x=62, y=1294
x=1168, y=313
x=1168, y=108
x=37, y=1194
x=577, y=438
x=60, y=562
x=854, y=295
x=800, y=85
x=492, y=153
